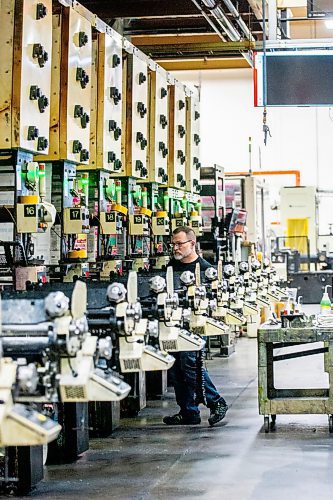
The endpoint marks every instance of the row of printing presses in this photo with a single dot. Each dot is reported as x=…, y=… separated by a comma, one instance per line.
x=99, y=163
x=68, y=357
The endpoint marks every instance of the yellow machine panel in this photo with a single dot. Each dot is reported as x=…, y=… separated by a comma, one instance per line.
x=93, y=105
x=109, y=116
x=25, y=74
x=71, y=87
x=158, y=128
x=27, y=218
x=193, y=144
x=177, y=136
x=136, y=137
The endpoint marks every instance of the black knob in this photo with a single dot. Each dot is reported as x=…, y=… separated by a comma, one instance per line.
x=142, y=110
x=161, y=146
x=160, y=172
x=34, y=92
x=117, y=133
x=40, y=54
x=112, y=125
x=144, y=172
x=183, y=183
x=181, y=104
x=196, y=115
x=196, y=139
x=164, y=92
x=139, y=136
x=111, y=156
x=42, y=143
x=165, y=178
x=78, y=111
x=77, y=146
x=138, y=165
x=41, y=11
x=82, y=77
x=43, y=102
x=84, y=155
x=179, y=177
x=115, y=60
x=163, y=121
x=33, y=133
x=83, y=39
x=115, y=95
x=84, y=120
x=142, y=78
x=181, y=131
x=143, y=144
x=117, y=165
x=180, y=156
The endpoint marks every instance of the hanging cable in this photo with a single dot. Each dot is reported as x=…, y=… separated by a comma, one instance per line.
x=265, y=127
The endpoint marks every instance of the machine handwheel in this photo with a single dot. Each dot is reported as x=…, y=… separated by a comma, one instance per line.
x=330, y=423
x=266, y=424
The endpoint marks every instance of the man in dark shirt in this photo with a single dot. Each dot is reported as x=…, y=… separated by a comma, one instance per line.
x=186, y=367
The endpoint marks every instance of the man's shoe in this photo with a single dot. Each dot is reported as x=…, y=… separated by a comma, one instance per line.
x=218, y=412
x=178, y=419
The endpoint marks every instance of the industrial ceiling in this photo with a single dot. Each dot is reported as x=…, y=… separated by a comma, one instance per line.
x=190, y=34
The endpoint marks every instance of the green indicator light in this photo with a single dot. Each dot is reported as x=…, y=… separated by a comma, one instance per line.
x=41, y=173
x=84, y=182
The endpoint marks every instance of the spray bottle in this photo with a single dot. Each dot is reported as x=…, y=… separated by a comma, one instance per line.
x=325, y=303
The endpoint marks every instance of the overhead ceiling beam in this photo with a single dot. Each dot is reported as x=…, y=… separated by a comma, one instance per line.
x=141, y=40
x=204, y=64
x=196, y=50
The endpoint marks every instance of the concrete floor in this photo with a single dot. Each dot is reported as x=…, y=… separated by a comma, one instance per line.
x=236, y=460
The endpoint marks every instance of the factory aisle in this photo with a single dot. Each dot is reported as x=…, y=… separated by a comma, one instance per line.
x=234, y=460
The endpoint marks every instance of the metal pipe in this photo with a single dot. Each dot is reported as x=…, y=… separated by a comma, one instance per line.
x=24, y=345
x=238, y=19
x=209, y=21
x=223, y=22
x=221, y=18
x=28, y=330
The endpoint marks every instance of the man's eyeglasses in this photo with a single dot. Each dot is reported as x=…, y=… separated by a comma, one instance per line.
x=180, y=244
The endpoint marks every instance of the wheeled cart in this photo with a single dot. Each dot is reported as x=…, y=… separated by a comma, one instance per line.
x=273, y=401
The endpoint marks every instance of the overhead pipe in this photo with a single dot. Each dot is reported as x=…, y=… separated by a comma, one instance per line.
x=209, y=21
x=222, y=19
x=296, y=173
x=239, y=19
x=225, y=23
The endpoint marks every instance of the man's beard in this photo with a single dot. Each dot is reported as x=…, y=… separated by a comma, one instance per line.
x=178, y=256
x=181, y=256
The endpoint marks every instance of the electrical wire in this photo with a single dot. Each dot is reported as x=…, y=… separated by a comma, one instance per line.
x=11, y=216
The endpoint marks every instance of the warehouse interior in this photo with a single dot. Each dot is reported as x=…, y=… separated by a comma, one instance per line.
x=166, y=249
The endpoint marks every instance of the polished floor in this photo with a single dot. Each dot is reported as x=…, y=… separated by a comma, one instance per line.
x=145, y=459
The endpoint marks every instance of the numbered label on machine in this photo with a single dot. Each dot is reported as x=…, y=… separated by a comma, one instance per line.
x=27, y=218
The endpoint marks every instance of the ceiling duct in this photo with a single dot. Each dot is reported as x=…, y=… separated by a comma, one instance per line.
x=219, y=15
x=238, y=19
x=224, y=24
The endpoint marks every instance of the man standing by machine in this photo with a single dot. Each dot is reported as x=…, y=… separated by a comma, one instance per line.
x=187, y=365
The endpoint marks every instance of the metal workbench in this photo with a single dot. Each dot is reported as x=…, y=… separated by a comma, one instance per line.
x=274, y=401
